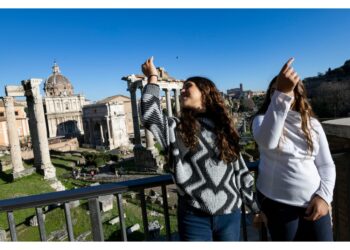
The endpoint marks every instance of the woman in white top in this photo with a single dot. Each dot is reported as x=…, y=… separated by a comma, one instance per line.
x=296, y=170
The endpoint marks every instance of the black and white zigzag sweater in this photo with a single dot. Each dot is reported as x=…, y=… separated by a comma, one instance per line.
x=206, y=182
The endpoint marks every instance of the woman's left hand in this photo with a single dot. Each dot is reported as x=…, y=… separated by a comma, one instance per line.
x=317, y=208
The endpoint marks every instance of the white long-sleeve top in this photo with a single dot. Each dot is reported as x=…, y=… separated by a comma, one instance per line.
x=288, y=173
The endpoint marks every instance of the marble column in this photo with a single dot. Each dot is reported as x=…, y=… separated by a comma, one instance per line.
x=15, y=147
x=168, y=102
x=177, y=101
x=135, y=117
x=101, y=133
x=34, y=134
x=109, y=129
x=149, y=139
x=36, y=110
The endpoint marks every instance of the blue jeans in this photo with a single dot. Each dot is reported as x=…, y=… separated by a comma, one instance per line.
x=287, y=223
x=195, y=225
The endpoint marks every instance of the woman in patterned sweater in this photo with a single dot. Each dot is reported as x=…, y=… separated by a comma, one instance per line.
x=207, y=167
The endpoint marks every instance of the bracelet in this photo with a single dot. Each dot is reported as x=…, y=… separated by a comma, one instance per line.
x=153, y=75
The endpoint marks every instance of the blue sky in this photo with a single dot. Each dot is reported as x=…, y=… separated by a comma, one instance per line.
x=96, y=47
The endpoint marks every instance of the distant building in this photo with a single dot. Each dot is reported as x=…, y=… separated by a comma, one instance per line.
x=236, y=93
x=127, y=108
x=63, y=109
x=259, y=93
x=239, y=93
x=21, y=123
x=105, y=123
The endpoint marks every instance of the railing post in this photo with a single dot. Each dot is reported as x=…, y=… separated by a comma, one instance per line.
x=68, y=222
x=121, y=216
x=144, y=213
x=244, y=222
x=41, y=225
x=95, y=217
x=263, y=233
x=166, y=213
x=12, y=225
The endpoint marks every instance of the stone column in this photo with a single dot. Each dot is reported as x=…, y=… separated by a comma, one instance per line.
x=177, y=101
x=16, y=157
x=135, y=117
x=109, y=129
x=80, y=125
x=34, y=134
x=149, y=139
x=36, y=110
x=101, y=133
x=168, y=102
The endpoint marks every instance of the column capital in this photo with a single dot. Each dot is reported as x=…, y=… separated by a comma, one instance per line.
x=8, y=101
x=31, y=87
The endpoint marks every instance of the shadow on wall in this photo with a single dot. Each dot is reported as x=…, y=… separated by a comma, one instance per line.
x=68, y=129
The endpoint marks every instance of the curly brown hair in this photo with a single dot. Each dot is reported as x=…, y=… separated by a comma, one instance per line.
x=216, y=110
x=300, y=105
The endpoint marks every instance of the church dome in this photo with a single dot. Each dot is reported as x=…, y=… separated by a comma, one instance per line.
x=57, y=84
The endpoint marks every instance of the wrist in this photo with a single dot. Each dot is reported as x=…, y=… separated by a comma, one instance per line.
x=152, y=78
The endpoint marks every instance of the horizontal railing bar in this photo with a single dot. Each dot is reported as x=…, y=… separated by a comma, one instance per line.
x=41, y=200
x=83, y=193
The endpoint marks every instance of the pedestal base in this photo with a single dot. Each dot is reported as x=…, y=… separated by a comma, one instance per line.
x=25, y=172
x=148, y=160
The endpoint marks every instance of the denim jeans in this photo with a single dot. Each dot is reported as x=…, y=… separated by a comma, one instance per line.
x=287, y=223
x=195, y=225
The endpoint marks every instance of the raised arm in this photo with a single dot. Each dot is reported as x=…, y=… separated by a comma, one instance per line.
x=267, y=129
x=152, y=116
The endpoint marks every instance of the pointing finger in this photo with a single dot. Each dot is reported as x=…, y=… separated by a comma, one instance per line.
x=287, y=65
x=289, y=72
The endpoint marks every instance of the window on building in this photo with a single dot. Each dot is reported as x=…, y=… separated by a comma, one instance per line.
x=16, y=112
x=1, y=113
x=67, y=106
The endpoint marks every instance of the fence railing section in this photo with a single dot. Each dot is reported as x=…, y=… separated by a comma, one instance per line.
x=91, y=194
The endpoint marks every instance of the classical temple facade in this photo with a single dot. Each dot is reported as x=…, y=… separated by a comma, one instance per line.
x=105, y=124
x=63, y=109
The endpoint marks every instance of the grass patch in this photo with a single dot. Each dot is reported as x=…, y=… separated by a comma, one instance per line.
x=29, y=185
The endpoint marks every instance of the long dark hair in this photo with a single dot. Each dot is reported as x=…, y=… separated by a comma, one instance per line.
x=301, y=105
x=216, y=110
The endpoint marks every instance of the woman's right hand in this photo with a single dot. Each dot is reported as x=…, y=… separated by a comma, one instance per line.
x=287, y=78
x=259, y=219
x=150, y=70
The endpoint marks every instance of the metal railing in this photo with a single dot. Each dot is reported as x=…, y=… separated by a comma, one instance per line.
x=91, y=194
